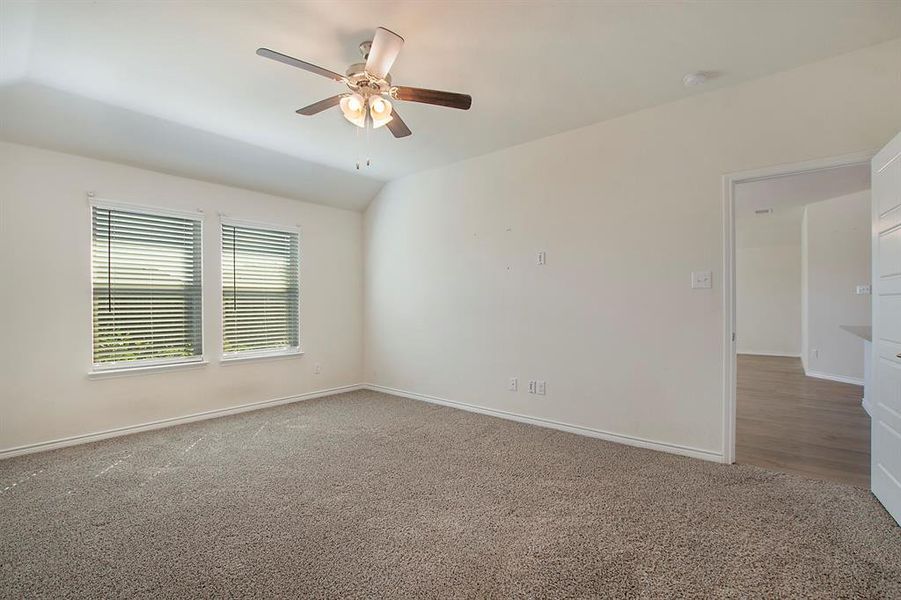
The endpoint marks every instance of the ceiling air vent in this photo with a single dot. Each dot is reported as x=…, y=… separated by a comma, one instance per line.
x=763, y=211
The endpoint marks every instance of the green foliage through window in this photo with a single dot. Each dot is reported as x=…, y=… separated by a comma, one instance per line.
x=259, y=289
x=146, y=280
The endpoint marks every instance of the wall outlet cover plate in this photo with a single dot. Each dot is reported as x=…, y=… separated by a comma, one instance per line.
x=701, y=280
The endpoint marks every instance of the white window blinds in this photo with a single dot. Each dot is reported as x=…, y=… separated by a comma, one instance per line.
x=146, y=279
x=259, y=290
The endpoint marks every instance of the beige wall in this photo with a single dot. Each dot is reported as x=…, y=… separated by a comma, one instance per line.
x=625, y=209
x=45, y=322
x=768, y=281
x=768, y=299
x=837, y=233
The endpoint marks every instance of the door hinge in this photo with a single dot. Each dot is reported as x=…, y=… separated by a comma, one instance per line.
x=733, y=336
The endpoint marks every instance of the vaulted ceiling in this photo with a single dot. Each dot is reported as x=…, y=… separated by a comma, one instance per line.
x=176, y=86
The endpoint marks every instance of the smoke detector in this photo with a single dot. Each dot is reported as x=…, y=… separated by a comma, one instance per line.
x=697, y=78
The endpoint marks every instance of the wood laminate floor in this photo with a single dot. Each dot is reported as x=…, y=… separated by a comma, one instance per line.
x=787, y=421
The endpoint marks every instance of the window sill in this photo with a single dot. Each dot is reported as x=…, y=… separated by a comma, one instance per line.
x=145, y=369
x=238, y=359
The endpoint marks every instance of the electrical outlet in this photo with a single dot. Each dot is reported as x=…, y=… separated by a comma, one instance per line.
x=541, y=388
x=816, y=353
x=533, y=387
x=317, y=369
x=701, y=280
x=513, y=385
x=863, y=290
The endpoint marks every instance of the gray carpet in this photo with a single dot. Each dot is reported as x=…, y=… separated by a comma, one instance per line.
x=365, y=495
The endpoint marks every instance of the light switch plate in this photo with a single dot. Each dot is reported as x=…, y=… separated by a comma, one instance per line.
x=701, y=280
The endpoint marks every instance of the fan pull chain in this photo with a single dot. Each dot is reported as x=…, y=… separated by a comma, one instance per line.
x=368, y=129
x=363, y=156
x=357, y=145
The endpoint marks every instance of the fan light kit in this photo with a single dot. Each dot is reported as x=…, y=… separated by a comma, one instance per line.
x=366, y=103
x=354, y=108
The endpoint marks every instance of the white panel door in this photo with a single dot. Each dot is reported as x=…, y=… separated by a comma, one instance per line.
x=886, y=360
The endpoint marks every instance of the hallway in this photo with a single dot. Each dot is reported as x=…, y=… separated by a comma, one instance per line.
x=787, y=421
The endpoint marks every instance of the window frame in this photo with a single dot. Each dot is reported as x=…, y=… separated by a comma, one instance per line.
x=249, y=355
x=148, y=365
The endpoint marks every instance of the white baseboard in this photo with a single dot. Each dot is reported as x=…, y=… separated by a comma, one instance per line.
x=222, y=412
x=782, y=354
x=577, y=429
x=210, y=414
x=830, y=377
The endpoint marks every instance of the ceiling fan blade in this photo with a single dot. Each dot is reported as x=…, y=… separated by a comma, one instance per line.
x=318, y=107
x=397, y=126
x=295, y=62
x=386, y=46
x=449, y=99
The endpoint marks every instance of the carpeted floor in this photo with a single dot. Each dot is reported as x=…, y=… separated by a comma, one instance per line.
x=367, y=495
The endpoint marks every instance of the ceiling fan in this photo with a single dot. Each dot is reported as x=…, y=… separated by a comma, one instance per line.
x=369, y=86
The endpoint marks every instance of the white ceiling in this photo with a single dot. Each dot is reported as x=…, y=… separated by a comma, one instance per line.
x=49, y=118
x=533, y=69
x=787, y=196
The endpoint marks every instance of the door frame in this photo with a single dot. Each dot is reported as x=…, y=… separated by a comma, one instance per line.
x=730, y=180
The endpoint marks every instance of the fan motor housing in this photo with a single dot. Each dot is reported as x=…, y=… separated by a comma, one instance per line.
x=358, y=78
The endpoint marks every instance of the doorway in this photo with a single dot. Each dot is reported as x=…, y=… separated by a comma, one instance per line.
x=797, y=299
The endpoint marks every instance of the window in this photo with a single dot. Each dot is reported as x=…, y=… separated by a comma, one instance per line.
x=259, y=291
x=146, y=280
